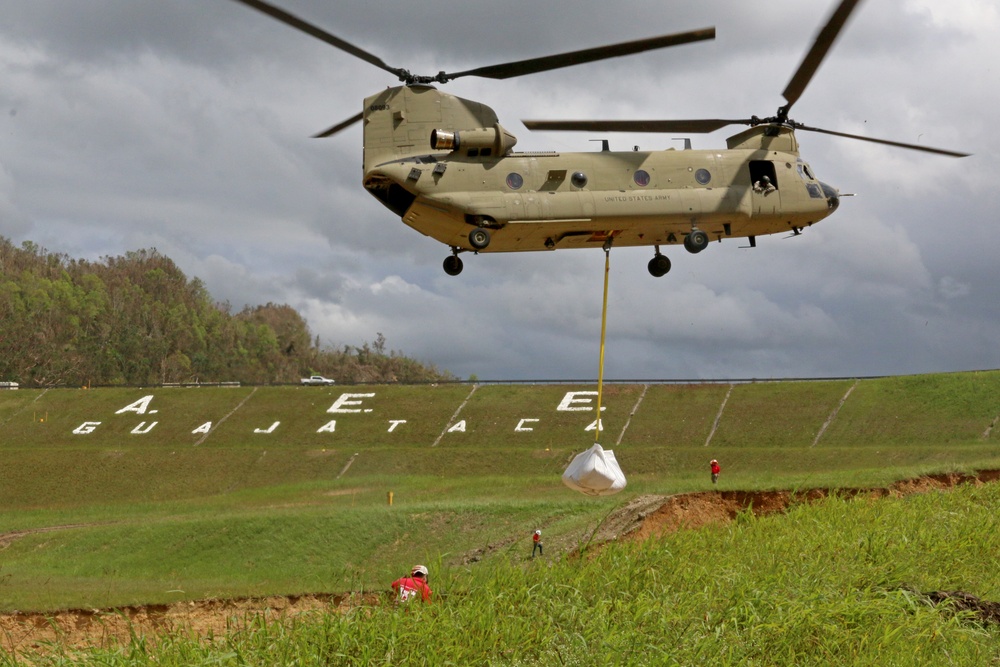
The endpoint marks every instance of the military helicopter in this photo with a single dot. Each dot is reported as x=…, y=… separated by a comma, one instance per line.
x=447, y=167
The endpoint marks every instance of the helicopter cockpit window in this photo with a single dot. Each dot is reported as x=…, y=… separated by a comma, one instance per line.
x=641, y=177
x=805, y=172
x=514, y=180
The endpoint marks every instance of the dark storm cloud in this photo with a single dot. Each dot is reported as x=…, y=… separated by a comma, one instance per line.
x=185, y=125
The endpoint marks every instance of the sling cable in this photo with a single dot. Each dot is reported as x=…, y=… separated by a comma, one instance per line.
x=595, y=472
x=604, y=330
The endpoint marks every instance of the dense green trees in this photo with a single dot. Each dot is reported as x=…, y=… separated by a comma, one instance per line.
x=137, y=319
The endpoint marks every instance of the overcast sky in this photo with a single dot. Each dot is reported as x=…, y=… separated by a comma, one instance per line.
x=184, y=125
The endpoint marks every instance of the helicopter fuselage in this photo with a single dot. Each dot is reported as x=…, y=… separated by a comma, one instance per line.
x=446, y=167
x=548, y=201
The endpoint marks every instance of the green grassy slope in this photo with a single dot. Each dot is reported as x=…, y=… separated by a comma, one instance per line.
x=255, y=490
x=838, y=582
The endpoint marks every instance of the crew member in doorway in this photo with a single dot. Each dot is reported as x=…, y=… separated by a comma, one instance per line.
x=715, y=470
x=407, y=588
x=537, y=543
x=764, y=186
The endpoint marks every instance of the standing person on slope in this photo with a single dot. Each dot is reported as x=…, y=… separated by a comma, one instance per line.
x=715, y=470
x=537, y=543
x=413, y=585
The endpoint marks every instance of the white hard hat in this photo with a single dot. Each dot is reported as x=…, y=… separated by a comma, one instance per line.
x=418, y=569
x=538, y=532
x=713, y=461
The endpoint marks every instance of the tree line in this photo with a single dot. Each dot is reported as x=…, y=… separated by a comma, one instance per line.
x=137, y=319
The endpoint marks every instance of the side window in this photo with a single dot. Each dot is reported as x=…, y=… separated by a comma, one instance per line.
x=761, y=169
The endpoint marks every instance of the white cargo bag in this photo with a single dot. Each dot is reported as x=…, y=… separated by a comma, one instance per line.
x=595, y=472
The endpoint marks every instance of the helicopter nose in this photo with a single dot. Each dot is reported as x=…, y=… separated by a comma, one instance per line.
x=832, y=195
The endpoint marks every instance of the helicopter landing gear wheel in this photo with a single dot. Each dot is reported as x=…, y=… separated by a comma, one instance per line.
x=659, y=265
x=696, y=241
x=479, y=238
x=452, y=265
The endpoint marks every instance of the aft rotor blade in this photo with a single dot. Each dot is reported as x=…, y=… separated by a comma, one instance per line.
x=925, y=149
x=318, y=33
x=824, y=40
x=546, y=63
x=702, y=125
x=339, y=126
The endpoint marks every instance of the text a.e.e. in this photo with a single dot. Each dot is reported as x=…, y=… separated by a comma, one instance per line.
x=350, y=404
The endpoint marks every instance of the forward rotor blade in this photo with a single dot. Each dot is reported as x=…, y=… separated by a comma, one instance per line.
x=318, y=33
x=339, y=126
x=824, y=40
x=915, y=147
x=546, y=63
x=695, y=125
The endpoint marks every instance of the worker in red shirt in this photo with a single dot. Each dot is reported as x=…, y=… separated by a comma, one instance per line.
x=715, y=470
x=410, y=587
x=537, y=543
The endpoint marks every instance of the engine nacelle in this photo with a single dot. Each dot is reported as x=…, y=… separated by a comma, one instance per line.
x=495, y=138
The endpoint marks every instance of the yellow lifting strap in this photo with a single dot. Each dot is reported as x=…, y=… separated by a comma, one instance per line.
x=604, y=328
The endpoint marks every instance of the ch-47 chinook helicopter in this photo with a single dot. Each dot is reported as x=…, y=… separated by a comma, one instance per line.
x=447, y=167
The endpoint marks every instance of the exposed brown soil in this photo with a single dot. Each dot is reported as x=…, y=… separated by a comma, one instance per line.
x=984, y=611
x=649, y=516
x=642, y=518
x=203, y=618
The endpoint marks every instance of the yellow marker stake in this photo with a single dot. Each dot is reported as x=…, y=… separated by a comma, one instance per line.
x=604, y=327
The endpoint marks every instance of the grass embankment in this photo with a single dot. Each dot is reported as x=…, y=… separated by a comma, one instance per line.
x=177, y=494
x=835, y=582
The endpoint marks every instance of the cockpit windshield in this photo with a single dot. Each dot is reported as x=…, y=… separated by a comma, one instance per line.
x=805, y=172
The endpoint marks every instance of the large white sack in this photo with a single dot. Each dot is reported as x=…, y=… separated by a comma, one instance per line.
x=595, y=472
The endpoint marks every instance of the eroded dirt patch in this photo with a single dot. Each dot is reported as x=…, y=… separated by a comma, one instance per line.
x=960, y=601
x=651, y=515
x=203, y=618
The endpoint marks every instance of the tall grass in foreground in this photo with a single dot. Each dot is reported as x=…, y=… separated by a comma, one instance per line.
x=832, y=583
